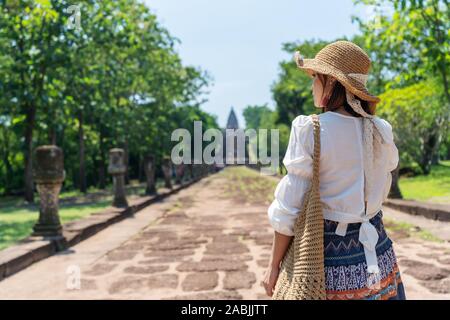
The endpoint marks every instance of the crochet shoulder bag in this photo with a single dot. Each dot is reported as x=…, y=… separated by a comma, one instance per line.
x=302, y=271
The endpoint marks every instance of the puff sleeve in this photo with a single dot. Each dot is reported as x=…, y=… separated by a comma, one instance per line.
x=290, y=191
x=392, y=151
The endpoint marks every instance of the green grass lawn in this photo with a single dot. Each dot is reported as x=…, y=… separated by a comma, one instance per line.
x=17, y=223
x=18, y=218
x=404, y=229
x=434, y=187
x=248, y=186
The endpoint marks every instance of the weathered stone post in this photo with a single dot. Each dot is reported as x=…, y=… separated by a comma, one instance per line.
x=201, y=169
x=117, y=169
x=191, y=171
x=179, y=170
x=194, y=171
x=49, y=175
x=167, y=171
x=197, y=173
x=149, y=168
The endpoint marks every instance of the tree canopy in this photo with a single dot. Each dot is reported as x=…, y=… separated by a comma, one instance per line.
x=117, y=81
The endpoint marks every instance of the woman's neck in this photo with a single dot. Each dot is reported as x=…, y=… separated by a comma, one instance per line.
x=342, y=110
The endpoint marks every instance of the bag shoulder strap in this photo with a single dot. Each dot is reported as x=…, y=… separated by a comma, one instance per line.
x=316, y=155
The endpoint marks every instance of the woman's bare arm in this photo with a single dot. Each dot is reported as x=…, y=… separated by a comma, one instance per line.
x=279, y=247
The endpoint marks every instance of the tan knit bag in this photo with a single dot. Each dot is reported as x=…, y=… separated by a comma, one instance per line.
x=302, y=272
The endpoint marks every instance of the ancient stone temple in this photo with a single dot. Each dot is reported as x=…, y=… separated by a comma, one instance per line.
x=231, y=154
x=232, y=122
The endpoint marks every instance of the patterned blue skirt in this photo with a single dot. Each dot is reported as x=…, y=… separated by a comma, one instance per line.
x=345, y=265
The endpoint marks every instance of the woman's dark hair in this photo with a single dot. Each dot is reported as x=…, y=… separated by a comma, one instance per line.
x=338, y=98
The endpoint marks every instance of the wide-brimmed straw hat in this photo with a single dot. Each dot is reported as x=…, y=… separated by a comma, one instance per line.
x=346, y=62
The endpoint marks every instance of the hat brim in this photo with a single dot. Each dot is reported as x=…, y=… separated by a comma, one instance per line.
x=358, y=89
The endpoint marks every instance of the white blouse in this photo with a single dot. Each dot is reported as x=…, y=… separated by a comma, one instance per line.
x=341, y=174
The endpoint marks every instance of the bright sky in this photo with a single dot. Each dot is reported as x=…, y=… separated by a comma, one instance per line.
x=239, y=41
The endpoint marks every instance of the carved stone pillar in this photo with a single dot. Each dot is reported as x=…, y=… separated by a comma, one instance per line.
x=117, y=169
x=195, y=171
x=149, y=168
x=48, y=175
x=179, y=170
x=167, y=171
x=191, y=171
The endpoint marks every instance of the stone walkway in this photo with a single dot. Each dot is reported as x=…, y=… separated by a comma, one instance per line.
x=425, y=265
x=206, y=242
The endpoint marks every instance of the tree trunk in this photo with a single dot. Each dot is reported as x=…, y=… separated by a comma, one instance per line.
x=52, y=136
x=435, y=158
x=126, y=162
x=443, y=70
x=101, y=175
x=448, y=152
x=141, y=176
x=395, y=192
x=82, y=155
x=28, y=176
x=429, y=150
x=102, y=164
x=9, y=173
x=8, y=166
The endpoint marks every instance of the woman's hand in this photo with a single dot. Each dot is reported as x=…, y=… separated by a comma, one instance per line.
x=270, y=279
x=279, y=247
